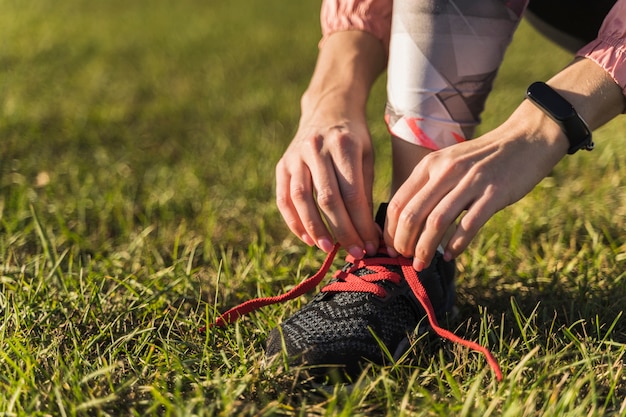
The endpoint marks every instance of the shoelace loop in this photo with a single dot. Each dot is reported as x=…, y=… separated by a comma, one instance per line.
x=347, y=281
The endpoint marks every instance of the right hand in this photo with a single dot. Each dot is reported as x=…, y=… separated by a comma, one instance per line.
x=324, y=179
x=327, y=170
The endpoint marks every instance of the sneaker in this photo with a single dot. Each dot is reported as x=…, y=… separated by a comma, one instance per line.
x=364, y=315
x=368, y=302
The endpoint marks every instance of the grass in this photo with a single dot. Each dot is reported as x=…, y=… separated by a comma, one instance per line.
x=137, y=148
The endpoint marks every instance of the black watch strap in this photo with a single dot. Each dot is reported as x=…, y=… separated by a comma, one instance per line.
x=563, y=113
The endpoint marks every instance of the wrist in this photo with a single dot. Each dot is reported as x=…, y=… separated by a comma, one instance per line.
x=529, y=123
x=348, y=64
x=332, y=103
x=561, y=111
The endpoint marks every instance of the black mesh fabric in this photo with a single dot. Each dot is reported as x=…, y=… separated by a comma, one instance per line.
x=335, y=329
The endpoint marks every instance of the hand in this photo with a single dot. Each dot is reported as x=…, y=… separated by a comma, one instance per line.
x=477, y=178
x=484, y=175
x=328, y=167
x=324, y=179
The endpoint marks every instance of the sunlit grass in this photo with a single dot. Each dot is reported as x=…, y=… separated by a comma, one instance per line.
x=137, y=149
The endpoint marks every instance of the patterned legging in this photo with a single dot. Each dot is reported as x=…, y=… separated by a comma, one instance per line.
x=443, y=59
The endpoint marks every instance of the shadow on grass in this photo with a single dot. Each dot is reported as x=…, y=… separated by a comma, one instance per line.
x=557, y=304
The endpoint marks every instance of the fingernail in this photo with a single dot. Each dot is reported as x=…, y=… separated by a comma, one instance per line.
x=418, y=264
x=447, y=256
x=325, y=245
x=371, y=248
x=392, y=252
x=356, y=252
x=308, y=240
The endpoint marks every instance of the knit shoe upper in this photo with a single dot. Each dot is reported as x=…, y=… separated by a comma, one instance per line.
x=367, y=310
x=368, y=299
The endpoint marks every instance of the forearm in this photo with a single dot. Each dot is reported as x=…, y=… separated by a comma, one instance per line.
x=347, y=66
x=592, y=92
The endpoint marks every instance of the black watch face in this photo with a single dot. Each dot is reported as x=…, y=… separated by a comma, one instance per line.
x=551, y=101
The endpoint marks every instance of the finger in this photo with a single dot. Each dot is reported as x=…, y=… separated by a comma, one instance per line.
x=371, y=232
x=474, y=219
x=355, y=183
x=414, y=214
x=438, y=222
x=330, y=201
x=286, y=207
x=326, y=162
x=301, y=191
x=395, y=209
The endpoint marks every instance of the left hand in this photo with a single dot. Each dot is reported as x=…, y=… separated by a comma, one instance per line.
x=478, y=177
x=486, y=174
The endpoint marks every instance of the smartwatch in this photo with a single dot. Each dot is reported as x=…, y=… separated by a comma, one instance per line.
x=563, y=113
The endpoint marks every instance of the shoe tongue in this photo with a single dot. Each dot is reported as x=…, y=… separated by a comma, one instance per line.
x=381, y=215
x=364, y=270
x=361, y=272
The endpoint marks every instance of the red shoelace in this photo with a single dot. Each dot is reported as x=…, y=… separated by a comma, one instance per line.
x=348, y=282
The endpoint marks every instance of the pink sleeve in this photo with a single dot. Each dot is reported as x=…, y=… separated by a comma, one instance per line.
x=372, y=16
x=609, y=49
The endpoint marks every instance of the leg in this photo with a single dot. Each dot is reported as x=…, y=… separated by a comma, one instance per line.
x=406, y=156
x=436, y=91
x=443, y=59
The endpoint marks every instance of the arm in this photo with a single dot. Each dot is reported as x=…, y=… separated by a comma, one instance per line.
x=328, y=166
x=484, y=175
x=609, y=49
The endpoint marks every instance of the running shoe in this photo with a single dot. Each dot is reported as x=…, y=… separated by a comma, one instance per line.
x=366, y=314
x=368, y=303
